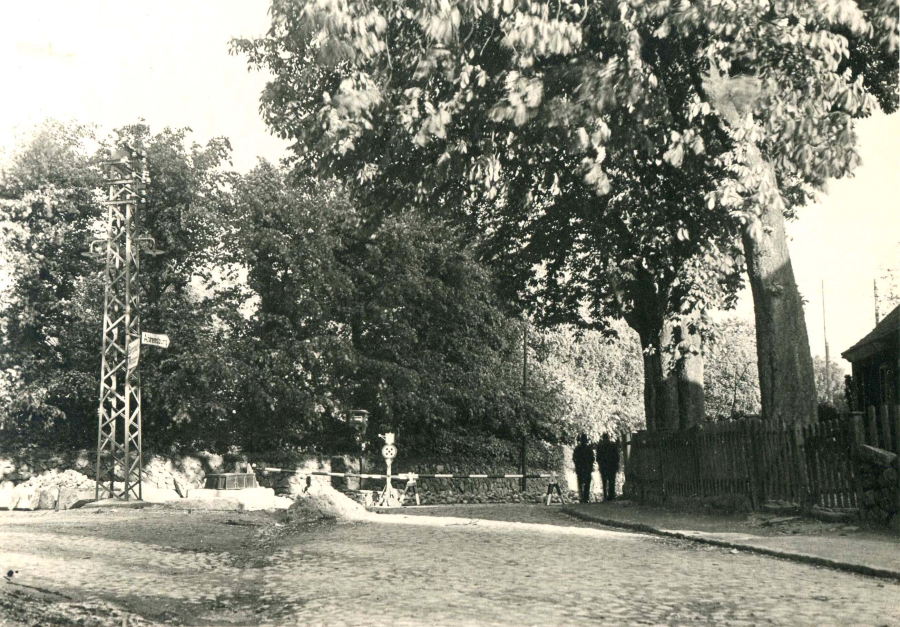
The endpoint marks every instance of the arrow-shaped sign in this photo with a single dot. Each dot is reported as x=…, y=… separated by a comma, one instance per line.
x=155, y=339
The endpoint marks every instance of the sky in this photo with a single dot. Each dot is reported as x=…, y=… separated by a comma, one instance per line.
x=168, y=62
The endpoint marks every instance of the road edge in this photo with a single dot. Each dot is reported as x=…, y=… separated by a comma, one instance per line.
x=803, y=558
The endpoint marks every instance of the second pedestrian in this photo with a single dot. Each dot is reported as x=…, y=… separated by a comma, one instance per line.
x=583, y=456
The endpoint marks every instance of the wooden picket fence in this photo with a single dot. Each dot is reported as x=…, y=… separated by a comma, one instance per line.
x=764, y=461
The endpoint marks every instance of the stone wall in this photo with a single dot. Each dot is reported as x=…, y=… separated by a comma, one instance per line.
x=462, y=457
x=881, y=491
x=68, y=477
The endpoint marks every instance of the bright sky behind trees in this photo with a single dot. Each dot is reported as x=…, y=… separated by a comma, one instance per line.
x=167, y=62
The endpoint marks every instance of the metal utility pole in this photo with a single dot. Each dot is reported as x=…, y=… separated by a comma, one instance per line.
x=118, y=466
x=524, y=455
x=828, y=398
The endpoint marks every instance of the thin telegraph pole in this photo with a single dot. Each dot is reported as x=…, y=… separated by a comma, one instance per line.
x=828, y=398
x=875, y=292
x=524, y=455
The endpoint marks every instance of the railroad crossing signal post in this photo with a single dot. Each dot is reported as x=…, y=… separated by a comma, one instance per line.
x=118, y=465
x=388, y=452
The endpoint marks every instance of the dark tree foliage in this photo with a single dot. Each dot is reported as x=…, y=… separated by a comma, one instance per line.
x=46, y=344
x=285, y=308
x=393, y=316
x=512, y=116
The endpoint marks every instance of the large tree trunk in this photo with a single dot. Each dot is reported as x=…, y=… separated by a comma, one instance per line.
x=786, y=379
x=689, y=370
x=673, y=380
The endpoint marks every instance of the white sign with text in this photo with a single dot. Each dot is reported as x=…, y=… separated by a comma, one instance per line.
x=155, y=339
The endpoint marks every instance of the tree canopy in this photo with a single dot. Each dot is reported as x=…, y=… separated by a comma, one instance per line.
x=285, y=308
x=546, y=124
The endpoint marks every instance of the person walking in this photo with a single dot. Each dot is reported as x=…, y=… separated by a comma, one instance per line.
x=608, y=461
x=583, y=456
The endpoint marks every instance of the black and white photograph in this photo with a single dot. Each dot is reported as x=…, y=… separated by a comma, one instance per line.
x=450, y=313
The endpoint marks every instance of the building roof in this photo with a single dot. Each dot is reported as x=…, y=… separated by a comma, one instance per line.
x=880, y=338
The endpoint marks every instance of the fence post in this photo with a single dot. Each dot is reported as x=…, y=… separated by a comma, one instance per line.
x=856, y=428
x=871, y=427
x=756, y=471
x=799, y=453
x=747, y=461
x=885, y=421
x=659, y=455
x=694, y=443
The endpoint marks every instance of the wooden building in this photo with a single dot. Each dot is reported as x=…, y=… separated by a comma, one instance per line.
x=876, y=365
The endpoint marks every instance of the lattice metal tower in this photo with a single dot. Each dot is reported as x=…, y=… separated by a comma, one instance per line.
x=118, y=466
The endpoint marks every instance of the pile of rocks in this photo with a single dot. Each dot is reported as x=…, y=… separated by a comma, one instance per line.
x=881, y=493
x=33, y=480
x=179, y=475
x=51, y=489
x=27, y=464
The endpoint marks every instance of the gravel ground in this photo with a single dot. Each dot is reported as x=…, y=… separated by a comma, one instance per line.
x=462, y=565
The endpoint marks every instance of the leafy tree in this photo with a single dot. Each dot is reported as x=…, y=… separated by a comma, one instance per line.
x=466, y=103
x=394, y=316
x=598, y=375
x=732, y=379
x=830, y=384
x=189, y=199
x=650, y=251
x=436, y=351
x=51, y=319
x=46, y=210
x=289, y=345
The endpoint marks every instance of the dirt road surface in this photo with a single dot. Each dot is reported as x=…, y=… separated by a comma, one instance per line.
x=497, y=565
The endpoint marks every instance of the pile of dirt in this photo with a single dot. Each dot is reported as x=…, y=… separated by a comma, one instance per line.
x=323, y=501
x=28, y=607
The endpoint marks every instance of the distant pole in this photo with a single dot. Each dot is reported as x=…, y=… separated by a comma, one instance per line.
x=827, y=355
x=875, y=290
x=525, y=359
x=524, y=396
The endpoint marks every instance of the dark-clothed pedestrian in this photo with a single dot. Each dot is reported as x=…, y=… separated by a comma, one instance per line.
x=608, y=462
x=583, y=456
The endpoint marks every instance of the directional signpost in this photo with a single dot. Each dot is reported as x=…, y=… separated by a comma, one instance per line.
x=155, y=339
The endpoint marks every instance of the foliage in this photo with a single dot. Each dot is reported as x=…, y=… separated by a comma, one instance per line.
x=830, y=389
x=731, y=376
x=532, y=105
x=287, y=341
x=50, y=321
x=606, y=151
x=188, y=201
x=394, y=316
x=46, y=210
x=285, y=308
x=599, y=376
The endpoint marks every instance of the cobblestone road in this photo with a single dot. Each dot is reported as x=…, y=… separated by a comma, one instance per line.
x=523, y=565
